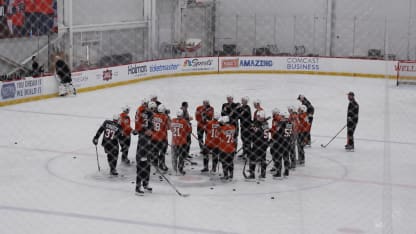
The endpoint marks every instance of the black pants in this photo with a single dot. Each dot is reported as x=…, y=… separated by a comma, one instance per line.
x=227, y=163
x=308, y=134
x=301, y=145
x=258, y=156
x=112, y=156
x=280, y=151
x=188, y=144
x=125, y=142
x=159, y=149
x=350, y=133
x=144, y=148
x=214, y=152
x=293, y=151
x=246, y=139
x=200, y=133
x=178, y=155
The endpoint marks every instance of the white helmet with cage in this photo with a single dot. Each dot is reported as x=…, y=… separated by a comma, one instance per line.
x=152, y=105
x=161, y=108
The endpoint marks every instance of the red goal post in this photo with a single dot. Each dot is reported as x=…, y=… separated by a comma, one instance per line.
x=406, y=72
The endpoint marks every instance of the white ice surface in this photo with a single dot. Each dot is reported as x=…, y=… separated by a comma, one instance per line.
x=49, y=181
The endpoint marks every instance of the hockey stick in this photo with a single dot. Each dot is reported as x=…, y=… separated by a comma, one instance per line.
x=170, y=183
x=98, y=162
x=191, y=162
x=324, y=146
x=244, y=169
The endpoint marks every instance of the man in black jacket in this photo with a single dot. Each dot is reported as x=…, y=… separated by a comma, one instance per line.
x=111, y=137
x=245, y=122
x=352, y=120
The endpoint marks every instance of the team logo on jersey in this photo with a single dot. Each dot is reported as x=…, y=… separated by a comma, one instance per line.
x=230, y=63
x=8, y=90
x=107, y=75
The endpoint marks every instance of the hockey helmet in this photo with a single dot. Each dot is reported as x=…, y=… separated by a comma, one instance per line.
x=125, y=108
x=161, y=108
x=152, y=105
x=275, y=111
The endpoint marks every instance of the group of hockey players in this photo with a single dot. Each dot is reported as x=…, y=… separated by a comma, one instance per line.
x=217, y=136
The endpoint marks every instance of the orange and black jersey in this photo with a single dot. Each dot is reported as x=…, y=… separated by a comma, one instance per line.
x=180, y=130
x=212, y=139
x=125, y=124
x=203, y=114
x=160, y=127
x=138, y=118
x=227, y=141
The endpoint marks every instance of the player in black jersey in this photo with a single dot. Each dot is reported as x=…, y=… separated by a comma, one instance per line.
x=260, y=142
x=281, y=146
x=112, y=132
x=245, y=122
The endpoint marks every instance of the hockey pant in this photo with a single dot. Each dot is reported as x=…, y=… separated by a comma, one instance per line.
x=302, y=137
x=246, y=139
x=279, y=152
x=125, y=142
x=258, y=156
x=350, y=133
x=178, y=155
x=293, y=151
x=227, y=163
x=158, y=155
x=308, y=134
x=214, y=152
x=143, y=173
x=112, y=156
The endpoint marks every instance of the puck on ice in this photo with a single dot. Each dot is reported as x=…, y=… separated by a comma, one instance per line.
x=132, y=182
x=272, y=198
x=15, y=143
x=258, y=182
x=233, y=189
x=211, y=188
x=74, y=157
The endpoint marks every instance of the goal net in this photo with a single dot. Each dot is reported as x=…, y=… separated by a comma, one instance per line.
x=406, y=72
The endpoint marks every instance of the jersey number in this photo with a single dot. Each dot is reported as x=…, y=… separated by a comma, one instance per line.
x=176, y=132
x=230, y=138
x=109, y=134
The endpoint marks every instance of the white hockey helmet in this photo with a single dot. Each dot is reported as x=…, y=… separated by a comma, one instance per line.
x=217, y=116
x=285, y=114
x=302, y=108
x=275, y=111
x=125, y=108
x=225, y=119
x=179, y=113
x=152, y=105
x=290, y=108
x=145, y=101
x=161, y=108
x=116, y=117
x=152, y=96
x=256, y=102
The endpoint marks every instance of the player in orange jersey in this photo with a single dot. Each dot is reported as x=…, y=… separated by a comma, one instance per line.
x=212, y=142
x=276, y=118
x=203, y=113
x=180, y=131
x=227, y=147
x=161, y=123
x=293, y=118
x=125, y=138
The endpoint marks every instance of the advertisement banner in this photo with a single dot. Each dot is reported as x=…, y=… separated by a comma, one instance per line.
x=21, y=88
x=199, y=64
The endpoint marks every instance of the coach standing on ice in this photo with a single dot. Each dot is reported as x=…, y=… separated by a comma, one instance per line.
x=352, y=120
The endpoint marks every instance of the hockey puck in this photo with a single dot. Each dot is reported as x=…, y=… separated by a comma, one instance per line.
x=212, y=188
x=233, y=189
x=272, y=198
x=192, y=168
x=15, y=143
x=154, y=173
x=132, y=182
x=258, y=182
x=74, y=157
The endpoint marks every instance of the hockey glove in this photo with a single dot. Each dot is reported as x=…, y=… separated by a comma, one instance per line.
x=95, y=141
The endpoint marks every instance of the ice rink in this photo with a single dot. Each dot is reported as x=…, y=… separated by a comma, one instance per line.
x=50, y=182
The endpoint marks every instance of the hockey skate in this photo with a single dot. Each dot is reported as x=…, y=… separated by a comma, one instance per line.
x=349, y=148
x=126, y=161
x=147, y=188
x=277, y=176
x=286, y=173
x=139, y=191
x=113, y=172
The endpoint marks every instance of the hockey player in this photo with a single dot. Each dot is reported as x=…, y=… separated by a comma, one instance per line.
x=281, y=145
x=352, y=121
x=245, y=122
x=161, y=123
x=260, y=142
x=153, y=98
x=203, y=113
x=257, y=107
x=112, y=132
x=294, y=119
x=125, y=138
x=64, y=74
x=311, y=111
x=144, y=148
x=212, y=142
x=227, y=147
x=276, y=118
x=180, y=131
x=188, y=118
x=230, y=109
x=303, y=129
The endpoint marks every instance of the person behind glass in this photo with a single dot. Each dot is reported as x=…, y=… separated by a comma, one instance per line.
x=144, y=145
x=245, y=124
x=311, y=111
x=35, y=67
x=203, y=113
x=352, y=120
x=125, y=138
x=180, y=131
x=187, y=117
x=111, y=137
